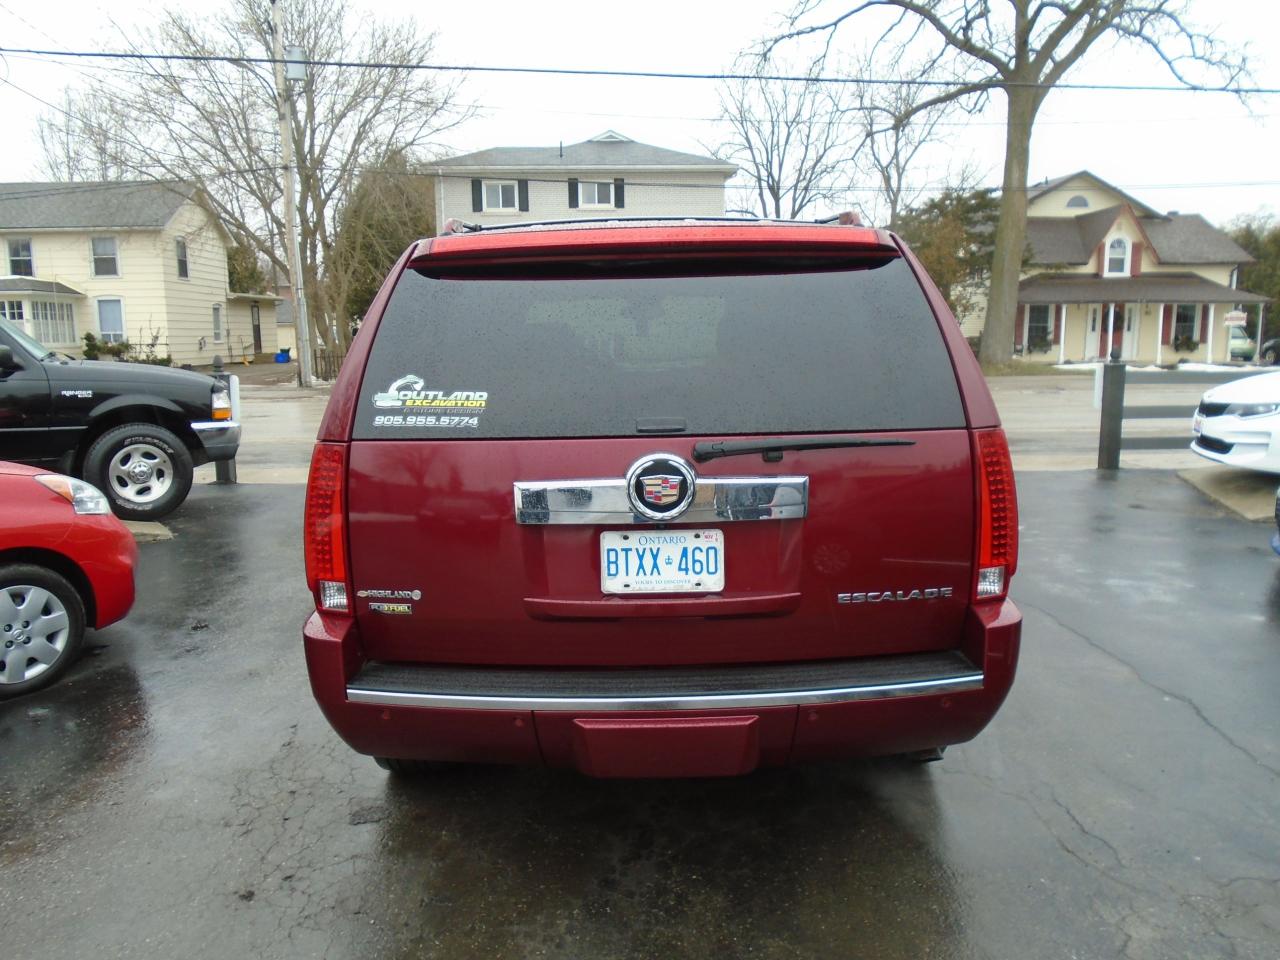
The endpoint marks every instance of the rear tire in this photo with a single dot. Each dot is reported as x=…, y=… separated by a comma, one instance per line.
x=41, y=628
x=144, y=470
x=1269, y=357
x=407, y=769
x=931, y=755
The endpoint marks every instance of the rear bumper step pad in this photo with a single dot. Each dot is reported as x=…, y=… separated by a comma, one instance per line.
x=663, y=688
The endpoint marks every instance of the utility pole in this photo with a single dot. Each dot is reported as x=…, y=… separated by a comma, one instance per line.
x=302, y=329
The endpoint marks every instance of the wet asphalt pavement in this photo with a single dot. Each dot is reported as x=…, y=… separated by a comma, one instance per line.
x=179, y=794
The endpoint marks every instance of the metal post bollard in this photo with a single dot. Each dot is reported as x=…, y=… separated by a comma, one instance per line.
x=224, y=471
x=1109, y=431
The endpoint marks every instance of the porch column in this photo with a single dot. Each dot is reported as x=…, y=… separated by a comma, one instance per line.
x=1159, y=334
x=1210, y=357
x=1111, y=330
x=1062, y=332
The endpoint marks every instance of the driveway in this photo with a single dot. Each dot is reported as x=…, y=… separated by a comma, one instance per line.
x=179, y=794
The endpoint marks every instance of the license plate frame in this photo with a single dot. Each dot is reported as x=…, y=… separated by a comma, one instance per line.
x=687, y=561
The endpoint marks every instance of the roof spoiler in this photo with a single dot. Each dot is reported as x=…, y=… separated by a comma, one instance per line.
x=456, y=225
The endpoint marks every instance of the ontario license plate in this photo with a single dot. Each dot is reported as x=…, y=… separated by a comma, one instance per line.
x=667, y=561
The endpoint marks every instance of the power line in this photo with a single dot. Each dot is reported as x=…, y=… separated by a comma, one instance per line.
x=989, y=83
x=499, y=108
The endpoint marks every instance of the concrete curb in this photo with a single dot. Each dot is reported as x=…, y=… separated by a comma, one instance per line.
x=1249, y=494
x=148, y=531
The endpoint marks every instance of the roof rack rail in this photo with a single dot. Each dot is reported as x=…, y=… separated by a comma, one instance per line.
x=518, y=224
x=455, y=225
x=846, y=218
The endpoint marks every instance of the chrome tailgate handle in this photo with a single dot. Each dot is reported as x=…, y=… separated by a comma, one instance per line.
x=715, y=500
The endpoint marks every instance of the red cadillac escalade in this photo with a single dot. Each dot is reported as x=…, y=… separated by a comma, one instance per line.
x=659, y=498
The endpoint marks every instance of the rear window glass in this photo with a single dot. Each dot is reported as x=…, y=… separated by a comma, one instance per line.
x=770, y=353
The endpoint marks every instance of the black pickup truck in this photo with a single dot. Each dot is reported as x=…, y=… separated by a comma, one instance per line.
x=133, y=430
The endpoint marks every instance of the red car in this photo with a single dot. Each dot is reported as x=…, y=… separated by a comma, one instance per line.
x=65, y=564
x=662, y=498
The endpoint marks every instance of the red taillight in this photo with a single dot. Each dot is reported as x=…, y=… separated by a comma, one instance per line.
x=997, y=517
x=324, y=527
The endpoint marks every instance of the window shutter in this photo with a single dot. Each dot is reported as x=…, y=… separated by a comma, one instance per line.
x=573, y=193
x=1204, y=322
x=1135, y=259
x=1102, y=260
x=522, y=188
x=1017, y=327
x=477, y=196
x=1057, y=323
x=1166, y=329
x=619, y=199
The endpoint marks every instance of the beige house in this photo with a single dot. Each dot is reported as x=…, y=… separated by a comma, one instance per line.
x=1107, y=271
x=609, y=175
x=124, y=261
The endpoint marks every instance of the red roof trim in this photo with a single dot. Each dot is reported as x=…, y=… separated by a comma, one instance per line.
x=651, y=241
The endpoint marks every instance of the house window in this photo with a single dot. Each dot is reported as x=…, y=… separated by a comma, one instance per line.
x=217, y=323
x=20, y=262
x=105, y=262
x=1184, y=322
x=595, y=194
x=54, y=322
x=111, y=320
x=499, y=195
x=1039, y=328
x=11, y=310
x=1118, y=257
x=180, y=246
x=1077, y=201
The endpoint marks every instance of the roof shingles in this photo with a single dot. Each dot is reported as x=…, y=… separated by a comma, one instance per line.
x=589, y=153
x=1178, y=239
x=90, y=206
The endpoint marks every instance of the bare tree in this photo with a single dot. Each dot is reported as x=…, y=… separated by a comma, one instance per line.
x=794, y=141
x=73, y=146
x=1023, y=49
x=214, y=123
x=894, y=135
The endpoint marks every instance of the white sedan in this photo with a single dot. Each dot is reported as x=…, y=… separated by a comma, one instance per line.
x=1238, y=423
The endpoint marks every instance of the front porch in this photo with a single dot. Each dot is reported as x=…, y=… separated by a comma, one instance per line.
x=1154, y=319
x=43, y=309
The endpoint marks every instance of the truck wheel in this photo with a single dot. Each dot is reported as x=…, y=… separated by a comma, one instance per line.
x=144, y=470
x=41, y=628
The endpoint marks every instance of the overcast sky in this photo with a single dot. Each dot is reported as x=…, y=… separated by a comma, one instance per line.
x=1176, y=151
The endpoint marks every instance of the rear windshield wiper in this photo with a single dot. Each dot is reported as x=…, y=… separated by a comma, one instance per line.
x=772, y=447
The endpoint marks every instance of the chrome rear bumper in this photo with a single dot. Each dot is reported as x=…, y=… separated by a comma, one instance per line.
x=665, y=688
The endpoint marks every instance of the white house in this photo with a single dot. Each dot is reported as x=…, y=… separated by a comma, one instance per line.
x=608, y=175
x=1107, y=271
x=124, y=261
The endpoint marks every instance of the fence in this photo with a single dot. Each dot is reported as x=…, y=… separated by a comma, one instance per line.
x=1111, y=382
x=326, y=363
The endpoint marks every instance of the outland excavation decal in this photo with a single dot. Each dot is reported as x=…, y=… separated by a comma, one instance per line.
x=457, y=408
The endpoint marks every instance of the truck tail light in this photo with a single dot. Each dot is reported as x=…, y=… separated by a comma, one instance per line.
x=325, y=528
x=997, y=517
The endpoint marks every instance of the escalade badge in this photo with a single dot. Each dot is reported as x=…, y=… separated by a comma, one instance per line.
x=660, y=486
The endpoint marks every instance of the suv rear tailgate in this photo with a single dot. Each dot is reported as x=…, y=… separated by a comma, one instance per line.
x=884, y=521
